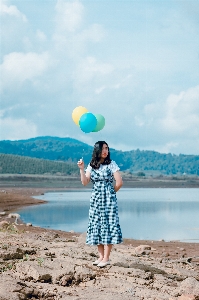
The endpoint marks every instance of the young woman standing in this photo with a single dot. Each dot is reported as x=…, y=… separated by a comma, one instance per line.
x=103, y=227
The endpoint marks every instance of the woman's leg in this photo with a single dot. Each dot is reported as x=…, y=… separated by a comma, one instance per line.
x=107, y=251
x=101, y=251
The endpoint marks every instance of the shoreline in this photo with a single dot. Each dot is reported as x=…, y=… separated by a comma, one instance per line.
x=68, y=182
x=40, y=263
x=13, y=199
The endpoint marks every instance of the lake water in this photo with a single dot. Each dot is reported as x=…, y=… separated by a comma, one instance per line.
x=151, y=214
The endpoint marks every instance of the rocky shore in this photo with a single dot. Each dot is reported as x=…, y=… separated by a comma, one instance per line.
x=38, y=263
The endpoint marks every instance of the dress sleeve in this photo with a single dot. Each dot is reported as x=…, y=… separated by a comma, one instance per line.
x=88, y=169
x=114, y=167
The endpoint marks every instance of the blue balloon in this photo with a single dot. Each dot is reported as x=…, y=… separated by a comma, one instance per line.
x=87, y=122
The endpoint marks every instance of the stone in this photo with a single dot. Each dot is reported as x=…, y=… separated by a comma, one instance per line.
x=83, y=273
x=82, y=238
x=7, y=286
x=4, y=224
x=142, y=249
x=67, y=280
x=187, y=297
x=121, y=264
x=189, y=286
x=12, y=254
x=25, y=271
x=14, y=216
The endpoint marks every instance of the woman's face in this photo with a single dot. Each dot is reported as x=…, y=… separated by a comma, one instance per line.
x=104, y=151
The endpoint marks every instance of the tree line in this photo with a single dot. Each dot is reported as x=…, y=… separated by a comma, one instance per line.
x=68, y=150
x=15, y=164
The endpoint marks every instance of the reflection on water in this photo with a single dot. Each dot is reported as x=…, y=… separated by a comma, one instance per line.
x=170, y=214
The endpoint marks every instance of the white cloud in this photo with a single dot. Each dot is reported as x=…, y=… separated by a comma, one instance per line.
x=18, y=67
x=139, y=121
x=182, y=113
x=15, y=129
x=71, y=38
x=100, y=90
x=169, y=147
x=41, y=35
x=90, y=67
x=11, y=10
x=69, y=15
x=94, y=33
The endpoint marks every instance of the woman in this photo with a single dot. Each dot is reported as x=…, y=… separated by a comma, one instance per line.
x=103, y=227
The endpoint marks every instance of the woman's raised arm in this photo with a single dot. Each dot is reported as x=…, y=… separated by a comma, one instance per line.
x=85, y=178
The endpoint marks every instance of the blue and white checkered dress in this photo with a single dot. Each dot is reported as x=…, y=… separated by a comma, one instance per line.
x=103, y=226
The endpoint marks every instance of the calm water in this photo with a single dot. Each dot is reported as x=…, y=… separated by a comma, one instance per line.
x=169, y=214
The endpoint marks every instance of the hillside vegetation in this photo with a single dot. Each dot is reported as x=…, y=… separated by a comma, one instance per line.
x=15, y=164
x=68, y=150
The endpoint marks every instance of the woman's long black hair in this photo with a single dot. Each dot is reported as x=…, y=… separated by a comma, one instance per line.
x=96, y=156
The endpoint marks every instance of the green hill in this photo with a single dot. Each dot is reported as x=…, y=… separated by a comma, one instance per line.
x=15, y=164
x=63, y=150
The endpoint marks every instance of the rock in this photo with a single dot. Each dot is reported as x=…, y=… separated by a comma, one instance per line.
x=59, y=268
x=4, y=224
x=67, y=280
x=121, y=264
x=83, y=274
x=82, y=238
x=26, y=271
x=147, y=268
x=14, y=216
x=142, y=249
x=182, y=272
x=28, y=224
x=13, y=254
x=8, y=286
x=189, y=286
x=3, y=191
x=187, y=297
x=2, y=213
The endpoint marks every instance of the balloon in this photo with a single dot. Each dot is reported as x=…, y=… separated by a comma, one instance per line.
x=77, y=113
x=100, y=123
x=87, y=122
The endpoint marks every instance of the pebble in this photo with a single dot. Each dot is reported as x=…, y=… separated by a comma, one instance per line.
x=28, y=224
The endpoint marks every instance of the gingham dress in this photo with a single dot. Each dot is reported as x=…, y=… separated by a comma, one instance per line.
x=103, y=225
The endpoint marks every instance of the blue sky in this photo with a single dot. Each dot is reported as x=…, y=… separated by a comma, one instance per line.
x=134, y=62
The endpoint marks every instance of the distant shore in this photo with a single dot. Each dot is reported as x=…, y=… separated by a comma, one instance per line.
x=62, y=182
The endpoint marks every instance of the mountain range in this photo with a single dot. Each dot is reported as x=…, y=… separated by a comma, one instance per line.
x=71, y=150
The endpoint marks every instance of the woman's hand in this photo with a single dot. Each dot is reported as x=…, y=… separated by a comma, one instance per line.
x=80, y=164
x=85, y=178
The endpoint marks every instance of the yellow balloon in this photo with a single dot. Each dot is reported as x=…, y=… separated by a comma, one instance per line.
x=77, y=113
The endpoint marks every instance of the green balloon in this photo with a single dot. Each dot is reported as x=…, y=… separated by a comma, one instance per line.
x=100, y=122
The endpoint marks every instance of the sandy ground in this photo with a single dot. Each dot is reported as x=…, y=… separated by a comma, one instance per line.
x=37, y=263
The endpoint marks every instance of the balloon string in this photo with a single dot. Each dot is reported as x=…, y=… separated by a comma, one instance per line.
x=83, y=155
